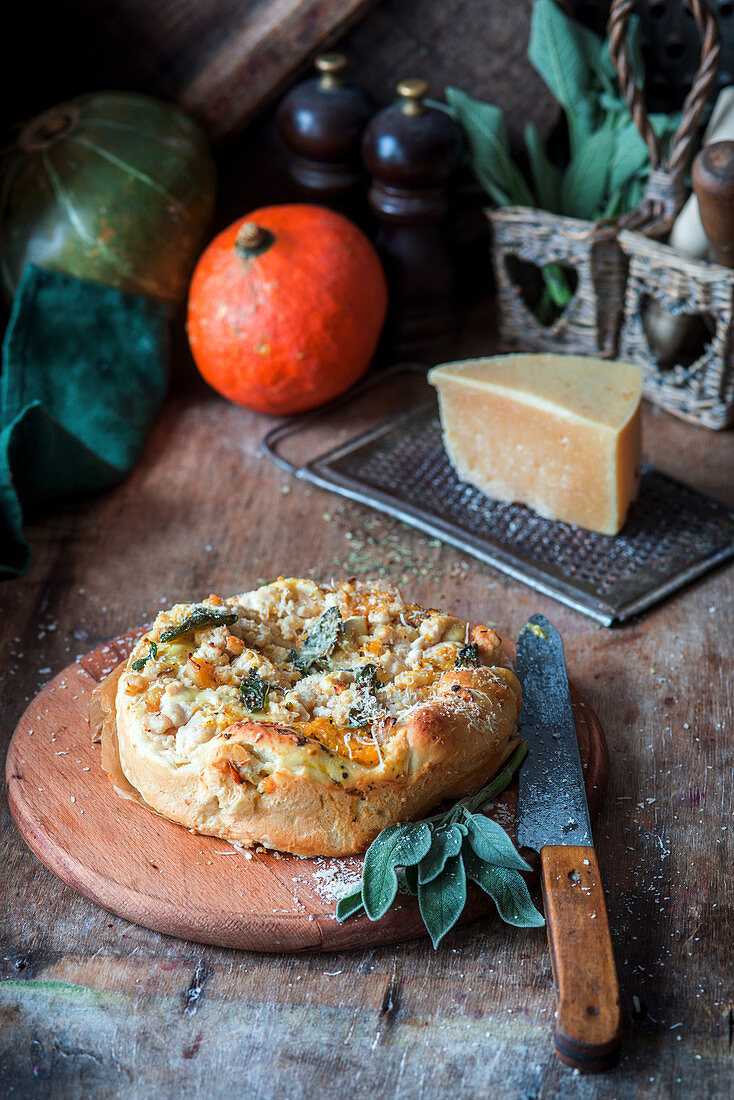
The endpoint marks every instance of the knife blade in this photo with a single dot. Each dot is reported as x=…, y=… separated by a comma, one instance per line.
x=553, y=820
x=552, y=807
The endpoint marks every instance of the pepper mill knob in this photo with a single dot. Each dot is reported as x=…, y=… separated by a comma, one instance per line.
x=411, y=94
x=411, y=151
x=321, y=121
x=330, y=66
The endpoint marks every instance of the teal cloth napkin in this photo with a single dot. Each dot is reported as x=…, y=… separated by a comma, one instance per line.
x=85, y=369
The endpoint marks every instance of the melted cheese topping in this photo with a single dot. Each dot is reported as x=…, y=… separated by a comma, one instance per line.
x=188, y=691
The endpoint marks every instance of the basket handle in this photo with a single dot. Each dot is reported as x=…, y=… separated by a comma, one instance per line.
x=665, y=191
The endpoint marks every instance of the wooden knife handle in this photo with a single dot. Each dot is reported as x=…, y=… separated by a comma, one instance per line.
x=588, y=1021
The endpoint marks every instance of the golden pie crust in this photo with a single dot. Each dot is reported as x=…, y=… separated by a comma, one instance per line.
x=409, y=706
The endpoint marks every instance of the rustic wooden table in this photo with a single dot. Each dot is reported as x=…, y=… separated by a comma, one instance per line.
x=93, y=1006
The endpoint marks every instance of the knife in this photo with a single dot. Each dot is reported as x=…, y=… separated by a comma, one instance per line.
x=553, y=820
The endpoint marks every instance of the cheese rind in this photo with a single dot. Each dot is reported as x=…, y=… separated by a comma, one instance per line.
x=560, y=433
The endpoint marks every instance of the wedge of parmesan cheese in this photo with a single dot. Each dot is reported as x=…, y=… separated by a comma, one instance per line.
x=558, y=432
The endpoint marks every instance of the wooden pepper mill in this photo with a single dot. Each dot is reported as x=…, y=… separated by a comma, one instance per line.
x=321, y=121
x=713, y=181
x=411, y=151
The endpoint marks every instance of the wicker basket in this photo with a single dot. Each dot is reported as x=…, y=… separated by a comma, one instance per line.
x=618, y=265
x=701, y=391
x=590, y=323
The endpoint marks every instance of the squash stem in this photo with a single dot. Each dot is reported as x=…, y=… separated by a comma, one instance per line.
x=253, y=240
x=42, y=131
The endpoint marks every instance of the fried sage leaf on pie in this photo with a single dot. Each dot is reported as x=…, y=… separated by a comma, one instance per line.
x=199, y=619
x=366, y=708
x=141, y=662
x=467, y=655
x=320, y=642
x=254, y=691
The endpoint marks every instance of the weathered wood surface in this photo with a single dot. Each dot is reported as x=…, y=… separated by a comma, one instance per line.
x=157, y=874
x=94, y=1006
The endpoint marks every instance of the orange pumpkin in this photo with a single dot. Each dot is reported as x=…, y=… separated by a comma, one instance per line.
x=286, y=308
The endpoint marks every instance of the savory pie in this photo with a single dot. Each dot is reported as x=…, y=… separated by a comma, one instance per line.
x=307, y=717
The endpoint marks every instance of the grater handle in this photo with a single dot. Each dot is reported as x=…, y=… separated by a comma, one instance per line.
x=269, y=444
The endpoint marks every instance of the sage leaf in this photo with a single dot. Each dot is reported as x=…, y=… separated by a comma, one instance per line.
x=413, y=844
x=546, y=177
x=556, y=283
x=366, y=708
x=508, y=891
x=634, y=49
x=199, y=619
x=484, y=125
x=556, y=49
x=585, y=179
x=441, y=901
x=254, y=692
x=489, y=841
x=614, y=205
x=410, y=879
x=634, y=193
x=467, y=655
x=597, y=58
x=349, y=905
x=446, y=843
x=396, y=846
x=630, y=156
x=320, y=642
x=141, y=662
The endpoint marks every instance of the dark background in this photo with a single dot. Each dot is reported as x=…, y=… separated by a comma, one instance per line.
x=57, y=50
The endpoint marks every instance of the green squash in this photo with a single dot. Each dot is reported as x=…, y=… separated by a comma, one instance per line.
x=113, y=187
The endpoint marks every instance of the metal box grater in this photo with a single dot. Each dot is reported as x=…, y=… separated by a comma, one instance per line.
x=673, y=533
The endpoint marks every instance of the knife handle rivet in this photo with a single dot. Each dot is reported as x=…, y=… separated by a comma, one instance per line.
x=592, y=1010
x=574, y=877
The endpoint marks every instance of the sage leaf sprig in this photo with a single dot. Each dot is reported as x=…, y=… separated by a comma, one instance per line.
x=608, y=162
x=436, y=857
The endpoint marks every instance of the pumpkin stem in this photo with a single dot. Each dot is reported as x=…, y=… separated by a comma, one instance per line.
x=252, y=240
x=46, y=128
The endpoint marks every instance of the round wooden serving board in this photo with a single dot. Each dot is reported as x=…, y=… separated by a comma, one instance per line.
x=155, y=873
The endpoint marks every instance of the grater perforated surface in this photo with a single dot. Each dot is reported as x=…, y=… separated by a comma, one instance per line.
x=673, y=533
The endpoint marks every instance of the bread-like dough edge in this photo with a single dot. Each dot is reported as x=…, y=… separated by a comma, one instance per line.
x=446, y=747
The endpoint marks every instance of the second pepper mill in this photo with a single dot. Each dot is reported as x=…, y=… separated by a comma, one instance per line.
x=321, y=121
x=411, y=151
